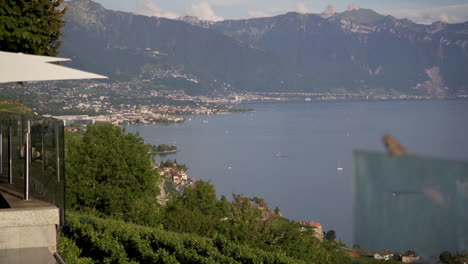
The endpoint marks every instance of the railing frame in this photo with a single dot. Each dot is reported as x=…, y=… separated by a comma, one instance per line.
x=10, y=154
x=27, y=158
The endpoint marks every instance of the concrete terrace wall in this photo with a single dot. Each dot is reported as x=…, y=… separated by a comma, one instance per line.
x=28, y=228
x=27, y=224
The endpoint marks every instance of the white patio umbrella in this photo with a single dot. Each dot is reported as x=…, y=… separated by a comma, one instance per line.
x=19, y=67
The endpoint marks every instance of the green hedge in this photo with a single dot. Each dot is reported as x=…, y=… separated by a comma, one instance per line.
x=89, y=239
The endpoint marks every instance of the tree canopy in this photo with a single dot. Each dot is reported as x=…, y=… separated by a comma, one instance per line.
x=31, y=27
x=197, y=210
x=330, y=235
x=111, y=172
x=110, y=175
x=164, y=148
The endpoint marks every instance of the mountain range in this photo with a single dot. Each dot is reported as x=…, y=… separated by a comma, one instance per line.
x=353, y=51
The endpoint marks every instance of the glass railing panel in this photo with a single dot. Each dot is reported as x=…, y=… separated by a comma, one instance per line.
x=410, y=203
x=3, y=156
x=46, y=157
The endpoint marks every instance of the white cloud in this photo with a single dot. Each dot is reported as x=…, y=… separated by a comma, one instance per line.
x=204, y=11
x=449, y=14
x=150, y=8
x=352, y=7
x=329, y=11
x=302, y=8
x=258, y=13
x=228, y=2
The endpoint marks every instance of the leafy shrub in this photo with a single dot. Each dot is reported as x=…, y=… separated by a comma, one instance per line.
x=86, y=238
x=110, y=172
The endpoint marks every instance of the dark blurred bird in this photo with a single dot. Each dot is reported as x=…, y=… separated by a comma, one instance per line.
x=393, y=146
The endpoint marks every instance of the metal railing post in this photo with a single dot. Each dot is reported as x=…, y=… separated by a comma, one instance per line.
x=57, y=147
x=27, y=158
x=1, y=148
x=42, y=145
x=10, y=154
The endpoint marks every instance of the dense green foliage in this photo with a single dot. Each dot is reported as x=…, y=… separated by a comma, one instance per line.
x=111, y=173
x=330, y=235
x=245, y=221
x=31, y=26
x=111, y=241
x=173, y=164
x=447, y=257
x=196, y=211
x=164, y=148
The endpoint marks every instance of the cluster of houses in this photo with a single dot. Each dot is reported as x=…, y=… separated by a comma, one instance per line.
x=130, y=117
x=178, y=177
x=71, y=129
x=408, y=257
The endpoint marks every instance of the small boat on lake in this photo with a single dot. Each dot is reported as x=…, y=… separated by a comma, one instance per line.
x=339, y=168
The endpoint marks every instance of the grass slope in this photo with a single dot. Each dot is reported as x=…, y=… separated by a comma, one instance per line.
x=13, y=106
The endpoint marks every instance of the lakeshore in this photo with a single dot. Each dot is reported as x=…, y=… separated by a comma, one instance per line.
x=167, y=152
x=148, y=115
x=316, y=137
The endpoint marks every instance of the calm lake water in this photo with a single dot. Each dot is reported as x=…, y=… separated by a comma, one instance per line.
x=288, y=153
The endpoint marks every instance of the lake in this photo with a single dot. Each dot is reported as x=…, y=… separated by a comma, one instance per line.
x=289, y=153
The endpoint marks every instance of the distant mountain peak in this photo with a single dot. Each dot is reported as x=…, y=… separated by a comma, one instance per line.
x=297, y=14
x=436, y=27
x=360, y=16
x=193, y=20
x=328, y=12
x=358, y=50
x=86, y=12
x=83, y=4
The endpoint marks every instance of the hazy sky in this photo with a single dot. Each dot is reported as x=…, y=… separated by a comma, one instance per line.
x=422, y=11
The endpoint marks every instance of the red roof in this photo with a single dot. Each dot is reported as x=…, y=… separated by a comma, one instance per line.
x=310, y=223
x=354, y=255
